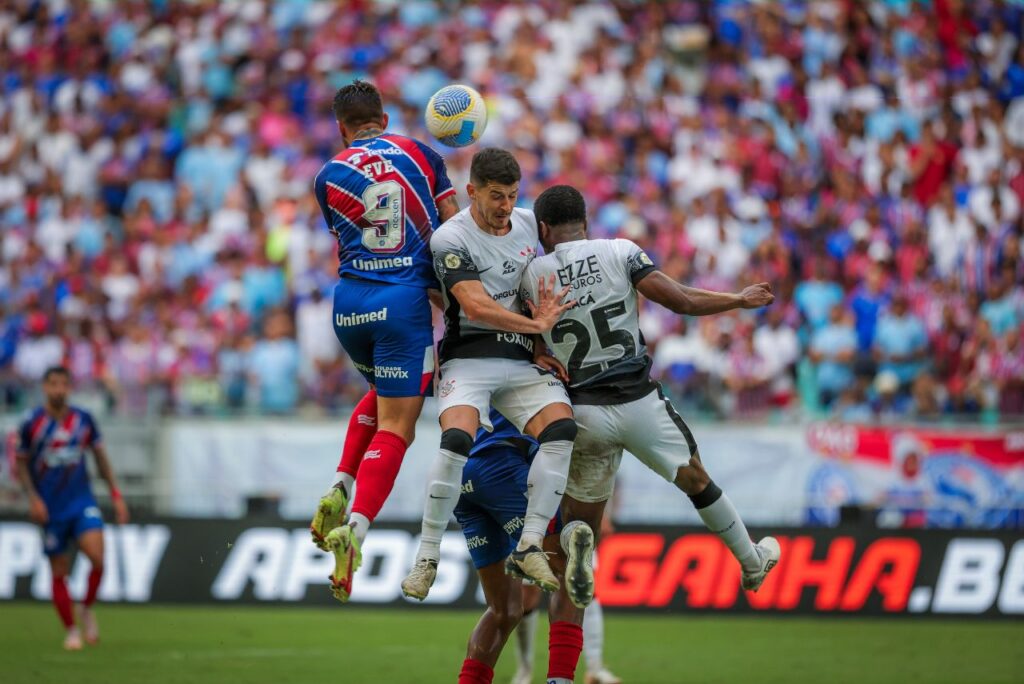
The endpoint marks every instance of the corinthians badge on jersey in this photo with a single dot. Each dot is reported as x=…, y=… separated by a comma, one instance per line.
x=645, y=260
x=452, y=260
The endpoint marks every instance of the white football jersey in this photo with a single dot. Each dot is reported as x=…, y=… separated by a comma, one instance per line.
x=598, y=340
x=462, y=251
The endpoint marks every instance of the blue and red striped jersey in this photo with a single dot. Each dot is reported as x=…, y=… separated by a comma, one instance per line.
x=55, y=450
x=379, y=198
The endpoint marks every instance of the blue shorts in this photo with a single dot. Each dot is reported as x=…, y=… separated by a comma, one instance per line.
x=57, y=533
x=492, y=505
x=388, y=333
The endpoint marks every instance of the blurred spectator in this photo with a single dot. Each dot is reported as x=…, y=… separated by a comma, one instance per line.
x=901, y=342
x=833, y=348
x=273, y=366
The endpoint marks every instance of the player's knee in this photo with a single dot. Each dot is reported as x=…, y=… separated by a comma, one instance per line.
x=456, y=441
x=561, y=430
x=692, y=479
x=508, y=618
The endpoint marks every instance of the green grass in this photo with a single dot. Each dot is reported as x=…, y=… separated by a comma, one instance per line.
x=161, y=645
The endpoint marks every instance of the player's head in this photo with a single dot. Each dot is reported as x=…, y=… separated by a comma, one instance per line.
x=358, y=106
x=56, y=386
x=561, y=215
x=493, y=187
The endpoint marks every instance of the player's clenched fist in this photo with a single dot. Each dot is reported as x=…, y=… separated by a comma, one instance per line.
x=756, y=296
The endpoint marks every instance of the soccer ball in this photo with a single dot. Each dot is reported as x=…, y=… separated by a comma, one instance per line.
x=456, y=115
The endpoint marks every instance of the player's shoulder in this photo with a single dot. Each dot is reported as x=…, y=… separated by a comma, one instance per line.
x=524, y=217
x=30, y=415
x=82, y=413
x=453, y=230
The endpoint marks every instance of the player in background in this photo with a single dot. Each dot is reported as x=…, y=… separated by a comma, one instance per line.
x=617, y=404
x=51, y=466
x=489, y=357
x=491, y=509
x=382, y=197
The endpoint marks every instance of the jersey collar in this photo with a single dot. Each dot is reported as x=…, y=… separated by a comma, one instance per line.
x=568, y=244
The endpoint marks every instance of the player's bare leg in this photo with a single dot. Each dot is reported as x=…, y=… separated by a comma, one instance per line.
x=526, y=632
x=90, y=543
x=331, y=510
x=555, y=430
x=504, y=596
x=721, y=517
x=458, y=426
x=396, y=421
x=60, y=567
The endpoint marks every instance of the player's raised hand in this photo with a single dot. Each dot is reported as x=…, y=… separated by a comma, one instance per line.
x=549, y=307
x=37, y=511
x=756, y=296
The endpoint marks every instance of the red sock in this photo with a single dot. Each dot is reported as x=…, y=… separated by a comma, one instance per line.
x=475, y=672
x=565, y=642
x=377, y=473
x=62, y=601
x=362, y=426
x=95, y=575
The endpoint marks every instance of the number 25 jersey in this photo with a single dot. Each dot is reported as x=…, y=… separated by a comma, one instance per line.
x=598, y=340
x=379, y=198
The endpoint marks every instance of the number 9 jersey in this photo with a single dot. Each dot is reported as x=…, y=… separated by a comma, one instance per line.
x=379, y=198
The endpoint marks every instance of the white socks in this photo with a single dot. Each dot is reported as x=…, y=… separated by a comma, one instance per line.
x=525, y=632
x=445, y=480
x=720, y=516
x=360, y=526
x=346, y=480
x=545, y=487
x=593, y=637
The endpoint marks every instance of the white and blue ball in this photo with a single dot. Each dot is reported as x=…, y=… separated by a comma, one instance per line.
x=456, y=115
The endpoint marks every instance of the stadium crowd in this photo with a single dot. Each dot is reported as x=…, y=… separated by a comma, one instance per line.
x=158, y=231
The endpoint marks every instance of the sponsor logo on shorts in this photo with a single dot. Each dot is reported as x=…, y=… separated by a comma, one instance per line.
x=467, y=487
x=343, y=321
x=447, y=388
x=512, y=525
x=362, y=368
x=92, y=512
x=381, y=264
x=394, y=372
x=476, y=542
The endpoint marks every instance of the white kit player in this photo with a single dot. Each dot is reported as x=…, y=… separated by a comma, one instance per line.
x=617, y=404
x=488, y=358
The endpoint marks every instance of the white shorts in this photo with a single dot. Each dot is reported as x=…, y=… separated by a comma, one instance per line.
x=517, y=389
x=649, y=428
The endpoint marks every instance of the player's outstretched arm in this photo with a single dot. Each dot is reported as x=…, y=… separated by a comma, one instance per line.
x=36, y=506
x=480, y=306
x=107, y=473
x=693, y=301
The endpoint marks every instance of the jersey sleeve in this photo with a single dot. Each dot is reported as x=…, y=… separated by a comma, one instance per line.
x=638, y=264
x=442, y=184
x=528, y=286
x=333, y=203
x=452, y=261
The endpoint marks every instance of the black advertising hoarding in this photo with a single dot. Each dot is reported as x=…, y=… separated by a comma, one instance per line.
x=823, y=571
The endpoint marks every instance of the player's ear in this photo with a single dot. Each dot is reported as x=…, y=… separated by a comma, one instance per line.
x=384, y=122
x=471, y=191
x=344, y=133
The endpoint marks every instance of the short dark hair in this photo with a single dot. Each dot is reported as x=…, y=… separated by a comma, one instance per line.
x=358, y=103
x=560, y=205
x=56, y=370
x=494, y=165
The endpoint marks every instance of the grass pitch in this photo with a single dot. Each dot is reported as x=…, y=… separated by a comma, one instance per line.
x=164, y=645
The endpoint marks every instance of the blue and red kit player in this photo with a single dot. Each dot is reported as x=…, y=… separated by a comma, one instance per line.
x=382, y=197
x=52, y=443
x=491, y=510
